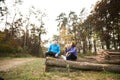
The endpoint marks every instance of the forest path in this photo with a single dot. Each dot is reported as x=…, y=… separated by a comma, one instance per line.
x=6, y=64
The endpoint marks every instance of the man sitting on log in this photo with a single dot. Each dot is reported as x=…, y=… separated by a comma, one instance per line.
x=71, y=53
x=53, y=50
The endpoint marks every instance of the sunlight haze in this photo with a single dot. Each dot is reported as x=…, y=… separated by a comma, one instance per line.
x=53, y=8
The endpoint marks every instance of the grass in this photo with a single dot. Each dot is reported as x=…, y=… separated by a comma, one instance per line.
x=35, y=71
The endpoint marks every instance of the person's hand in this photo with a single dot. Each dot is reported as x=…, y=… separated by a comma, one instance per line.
x=67, y=54
x=56, y=55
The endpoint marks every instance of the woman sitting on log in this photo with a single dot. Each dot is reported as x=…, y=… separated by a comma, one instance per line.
x=53, y=50
x=71, y=53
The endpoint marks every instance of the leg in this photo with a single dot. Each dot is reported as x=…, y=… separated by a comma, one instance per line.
x=71, y=57
x=47, y=54
x=1, y=78
x=50, y=54
x=64, y=57
x=74, y=58
x=68, y=57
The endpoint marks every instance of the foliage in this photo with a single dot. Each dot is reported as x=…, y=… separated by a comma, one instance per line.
x=105, y=19
x=20, y=31
x=5, y=48
x=99, y=30
x=72, y=29
x=2, y=36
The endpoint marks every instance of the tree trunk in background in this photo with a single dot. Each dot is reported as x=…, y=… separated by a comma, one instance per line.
x=78, y=46
x=102, y=45
x=114, y=41
x=102, y=41
x=90, y=45
x=12, y=26
x=95, y=50
x=107, y=44
x=40, y=52
x=84, y=46
x=118, y=41
x=24, y=42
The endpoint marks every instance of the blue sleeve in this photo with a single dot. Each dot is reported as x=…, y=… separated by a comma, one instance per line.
x=58, y=50
x=49, y=49
x=68, y=49
x=72, y=50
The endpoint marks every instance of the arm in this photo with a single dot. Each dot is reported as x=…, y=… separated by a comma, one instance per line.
x=58, y=50
x=72, y=50
x=49, y=49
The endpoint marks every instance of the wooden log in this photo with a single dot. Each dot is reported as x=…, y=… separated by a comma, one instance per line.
x=117, y=61
x=100, y=61
x=112, y=57
x=81, y=65
x=108, y=52
x=113, y=53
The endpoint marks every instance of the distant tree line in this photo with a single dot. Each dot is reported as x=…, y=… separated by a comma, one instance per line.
x=100, y=30
x=21, y=34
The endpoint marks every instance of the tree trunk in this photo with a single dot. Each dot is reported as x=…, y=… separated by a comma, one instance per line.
x=118, y=41
x=40, y=52
x=102, y=41
x=90, y=46
x=81, y=65
x=95, y=50
x=114, y=41
x=84, y=46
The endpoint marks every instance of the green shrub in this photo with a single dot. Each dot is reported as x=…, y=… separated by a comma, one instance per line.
x=4, y=48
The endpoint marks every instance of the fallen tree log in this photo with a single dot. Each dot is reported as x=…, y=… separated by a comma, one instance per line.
x=109, y=54
x=100, y=61
x=112, y=57
x=117, y=61
x=81, y=65
x=113, y=53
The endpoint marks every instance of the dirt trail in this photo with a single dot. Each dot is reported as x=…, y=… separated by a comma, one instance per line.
x=6, y=64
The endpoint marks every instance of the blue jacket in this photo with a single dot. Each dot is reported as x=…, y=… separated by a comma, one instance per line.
x=72, y=50
x=54, y=48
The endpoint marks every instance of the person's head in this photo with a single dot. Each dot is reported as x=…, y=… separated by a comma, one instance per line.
x=54, y=42
x=67, y=46
x=73, y=44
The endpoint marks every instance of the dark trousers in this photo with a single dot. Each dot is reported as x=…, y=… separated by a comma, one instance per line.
x=51, y=54
x=71, y=57
x=1, y=78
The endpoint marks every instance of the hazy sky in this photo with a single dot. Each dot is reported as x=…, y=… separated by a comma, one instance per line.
x=53, y=8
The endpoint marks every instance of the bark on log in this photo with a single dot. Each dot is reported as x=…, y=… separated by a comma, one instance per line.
x=113, y=53
x=81, y=65
x=112, y=57
x=100, y=61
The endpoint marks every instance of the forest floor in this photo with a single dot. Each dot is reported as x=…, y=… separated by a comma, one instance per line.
x=33, y=69
x=6, y=64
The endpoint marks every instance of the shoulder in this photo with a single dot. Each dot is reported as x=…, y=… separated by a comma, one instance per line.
x=51, y=44
x=58, y=45
x=74, y=48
